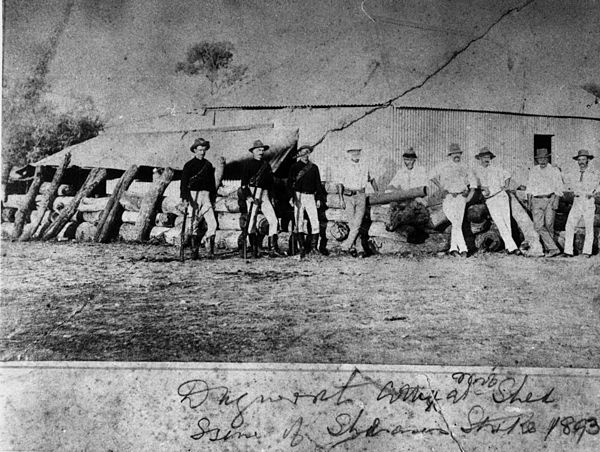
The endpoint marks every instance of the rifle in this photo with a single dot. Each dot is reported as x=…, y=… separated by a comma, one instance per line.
x=246, y=226
x=182, y=237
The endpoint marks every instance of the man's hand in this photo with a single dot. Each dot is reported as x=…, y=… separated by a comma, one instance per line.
x=485, y=191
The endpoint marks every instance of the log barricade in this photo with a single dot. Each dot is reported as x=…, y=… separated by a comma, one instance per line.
x=112, y=211
x=95, y=177
x=28, y=205
x=150, y=204
x=44, y=218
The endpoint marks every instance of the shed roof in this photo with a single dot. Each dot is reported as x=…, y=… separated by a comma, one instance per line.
x=172, y=149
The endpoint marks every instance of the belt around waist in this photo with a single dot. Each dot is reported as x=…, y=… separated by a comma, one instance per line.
x=544, y=196
x=353, y=192
x=305, y=192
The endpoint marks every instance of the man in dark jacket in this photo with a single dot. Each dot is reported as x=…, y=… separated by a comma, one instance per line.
x=305, y=185
x=198, y=192
x=257, y=181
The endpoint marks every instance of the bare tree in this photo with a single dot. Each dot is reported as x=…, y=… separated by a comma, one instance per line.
x=213, y=60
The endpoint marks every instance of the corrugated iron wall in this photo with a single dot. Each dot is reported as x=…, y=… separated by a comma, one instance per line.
x=509, y=136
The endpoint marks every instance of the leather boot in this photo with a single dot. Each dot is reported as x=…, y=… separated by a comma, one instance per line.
x=194, y=246
x=273, y=247
x=302, y=244
x=314, y=239
x=211, y=249
x=254, y=245
x=323, y=246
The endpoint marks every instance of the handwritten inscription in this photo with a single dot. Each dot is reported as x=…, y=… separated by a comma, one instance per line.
x=362, y=408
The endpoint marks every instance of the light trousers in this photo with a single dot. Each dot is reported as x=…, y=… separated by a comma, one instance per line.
x=454, y=209
x=204, y=209
x=582, y=207
x=266, y=208
x=543, y=221
x=306, y=203
x=356, y=206
x=499, y=208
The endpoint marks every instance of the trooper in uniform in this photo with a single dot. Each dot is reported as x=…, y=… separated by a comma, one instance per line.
x=198, y=192
x=353, y=199
x=305, y=185
x=257, y=182
x=493, y=182
x=585, y=184
x=455, y=179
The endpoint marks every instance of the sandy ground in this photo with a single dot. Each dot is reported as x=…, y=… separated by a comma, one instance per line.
x=66, y=301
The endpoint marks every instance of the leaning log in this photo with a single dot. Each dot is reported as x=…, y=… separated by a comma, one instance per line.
x=45, y=217
x=113, y=209
x=68, y=232
x=525, y=225
x=29, y=204
x=95, y=177
x=150, y=205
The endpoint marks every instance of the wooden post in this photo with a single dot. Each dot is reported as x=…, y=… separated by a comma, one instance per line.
x=150, y=204
x=28, y=204
x=95, y=177
x=43, y=221
x=113, y=210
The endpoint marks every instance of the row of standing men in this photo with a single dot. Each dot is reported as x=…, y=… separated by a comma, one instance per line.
x=458, y=183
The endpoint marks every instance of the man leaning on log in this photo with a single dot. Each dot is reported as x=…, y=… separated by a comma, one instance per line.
x=493, y=182
x=544, y=188
x=198, y=192
x=458, y=183
x=353, y=199
x=412, y=214
x=257, y=182
x=584, y=182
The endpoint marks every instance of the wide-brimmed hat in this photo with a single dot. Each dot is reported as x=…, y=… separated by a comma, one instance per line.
x=303, y=150
x=583, y=153
x=485, y=151
x=541, y=153
x=200, y=142
x=410, y=153
x=258, y=144
x=454, y=149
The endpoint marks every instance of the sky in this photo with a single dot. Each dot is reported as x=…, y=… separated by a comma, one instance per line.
x=508, y=55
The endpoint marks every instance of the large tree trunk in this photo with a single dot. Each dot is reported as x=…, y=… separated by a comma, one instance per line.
x=44, y=219
x=29, y=204
x=151, y=204
x=95, y=177
x=107, y=224
x=396, y=196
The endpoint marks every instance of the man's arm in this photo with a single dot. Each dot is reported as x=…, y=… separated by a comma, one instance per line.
x=558, y=189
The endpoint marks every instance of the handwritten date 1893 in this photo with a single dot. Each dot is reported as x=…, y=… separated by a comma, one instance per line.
x=569, y=425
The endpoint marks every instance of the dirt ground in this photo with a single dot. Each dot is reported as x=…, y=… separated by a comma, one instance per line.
x=67, y=301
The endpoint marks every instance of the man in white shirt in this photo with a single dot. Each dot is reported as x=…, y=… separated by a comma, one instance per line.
x=584, y=182
x=459, y=184
x=413, y=215
x=493, y=182
x=544, y=188
x=353, y=198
